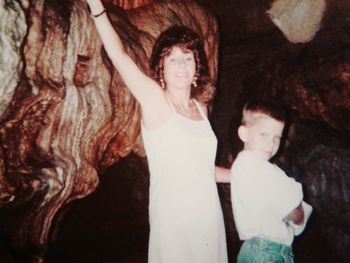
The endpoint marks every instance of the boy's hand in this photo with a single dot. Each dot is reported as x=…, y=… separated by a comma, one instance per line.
x=296, y=216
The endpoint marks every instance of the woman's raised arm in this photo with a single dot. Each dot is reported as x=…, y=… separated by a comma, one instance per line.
x=141, y=86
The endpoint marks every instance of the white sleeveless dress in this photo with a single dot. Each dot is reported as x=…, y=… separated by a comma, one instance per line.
x=186, y=219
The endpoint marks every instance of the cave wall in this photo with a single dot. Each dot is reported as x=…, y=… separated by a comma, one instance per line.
x=257, y=60
x=65, y=124
x=66, y=116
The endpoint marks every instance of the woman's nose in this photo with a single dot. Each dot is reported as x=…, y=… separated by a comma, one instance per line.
x=181, y=62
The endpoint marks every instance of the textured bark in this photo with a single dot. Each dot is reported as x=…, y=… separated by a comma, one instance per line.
x=70, y=115
x=127, y=4
x=299, y=20
x=312, y=80
x=320, y=159
x=67, y=117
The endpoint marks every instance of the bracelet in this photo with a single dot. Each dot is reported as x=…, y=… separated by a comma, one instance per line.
x=101, y=13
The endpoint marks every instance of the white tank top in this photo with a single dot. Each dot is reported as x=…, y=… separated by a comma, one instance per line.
x=184, y=208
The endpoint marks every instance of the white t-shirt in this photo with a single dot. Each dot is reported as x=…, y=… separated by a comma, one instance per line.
x=262, y=196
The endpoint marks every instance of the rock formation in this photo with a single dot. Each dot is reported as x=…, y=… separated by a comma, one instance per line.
x=312, y=80
x=65, y=113
x=66, y=117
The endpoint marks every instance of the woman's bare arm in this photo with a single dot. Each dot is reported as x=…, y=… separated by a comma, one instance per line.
x=155, y=108
x=140, y=85
x=222, y=175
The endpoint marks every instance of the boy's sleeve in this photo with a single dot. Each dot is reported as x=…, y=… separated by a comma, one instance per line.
x=298, y=229
x=285, y=195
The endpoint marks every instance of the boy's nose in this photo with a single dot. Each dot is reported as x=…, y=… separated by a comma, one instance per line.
x=271, y=144
x=276, y=144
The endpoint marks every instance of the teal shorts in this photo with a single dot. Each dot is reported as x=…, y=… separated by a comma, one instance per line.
x=257, y=250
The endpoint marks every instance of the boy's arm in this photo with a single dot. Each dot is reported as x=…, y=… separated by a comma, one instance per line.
x=222, y=175
x=299, y=228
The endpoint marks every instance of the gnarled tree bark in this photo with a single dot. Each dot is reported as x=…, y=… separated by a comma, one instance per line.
x=70, y=115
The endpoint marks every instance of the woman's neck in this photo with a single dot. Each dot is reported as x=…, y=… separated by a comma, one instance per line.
x=179, y=99
x=184, y=106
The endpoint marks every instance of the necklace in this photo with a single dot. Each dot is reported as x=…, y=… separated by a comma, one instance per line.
x=190, y=112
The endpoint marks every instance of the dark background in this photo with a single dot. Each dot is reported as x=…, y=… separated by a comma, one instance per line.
x=255, y=60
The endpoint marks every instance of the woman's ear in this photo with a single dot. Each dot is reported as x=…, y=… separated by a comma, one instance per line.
x=243, y=133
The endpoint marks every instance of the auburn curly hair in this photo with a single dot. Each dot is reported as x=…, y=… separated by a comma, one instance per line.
x=188, y=40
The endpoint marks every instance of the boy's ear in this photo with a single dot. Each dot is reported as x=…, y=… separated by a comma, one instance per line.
x=243, y=133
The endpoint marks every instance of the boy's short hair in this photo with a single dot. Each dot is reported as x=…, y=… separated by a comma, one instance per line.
x=257, y=109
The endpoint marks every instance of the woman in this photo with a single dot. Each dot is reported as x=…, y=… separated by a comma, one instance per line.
x=186, y=219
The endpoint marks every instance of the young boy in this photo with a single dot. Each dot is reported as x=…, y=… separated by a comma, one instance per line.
x=268, y=205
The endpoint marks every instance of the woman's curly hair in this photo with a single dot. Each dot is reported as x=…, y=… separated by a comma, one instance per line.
x=188, y=40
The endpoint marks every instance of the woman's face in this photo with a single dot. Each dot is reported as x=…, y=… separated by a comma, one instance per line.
x=179, y=69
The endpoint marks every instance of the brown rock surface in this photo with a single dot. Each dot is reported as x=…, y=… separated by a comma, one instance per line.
x=70, y=116
x=67, y=118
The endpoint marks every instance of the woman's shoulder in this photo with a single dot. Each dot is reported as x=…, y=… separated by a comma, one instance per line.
x=203, y=108
x=156, y=112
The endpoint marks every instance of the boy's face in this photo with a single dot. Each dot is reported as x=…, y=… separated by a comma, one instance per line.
x=263, y=136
